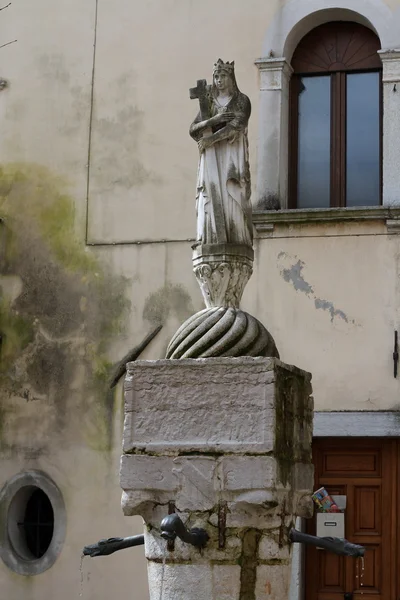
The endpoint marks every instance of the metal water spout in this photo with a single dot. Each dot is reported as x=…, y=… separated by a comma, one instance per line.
x=338, y=546
x=111, y=545
x=171, y=528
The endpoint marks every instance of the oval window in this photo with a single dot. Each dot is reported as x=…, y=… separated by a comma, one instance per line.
x=32, y=530
x=38, y=523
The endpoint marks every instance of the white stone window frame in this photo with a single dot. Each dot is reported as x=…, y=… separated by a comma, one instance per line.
x=291, y=23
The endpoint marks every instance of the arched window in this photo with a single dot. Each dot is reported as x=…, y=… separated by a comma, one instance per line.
x=335, y=118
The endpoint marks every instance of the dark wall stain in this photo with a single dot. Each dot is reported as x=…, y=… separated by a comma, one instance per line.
x=169, y=298
x=116, y=163
x=49, y=293
x=48, y=365
x=248, y=563
x=294, y=415
x=268, y=202
x=58, y=328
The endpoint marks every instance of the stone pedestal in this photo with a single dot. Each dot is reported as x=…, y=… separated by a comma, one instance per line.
x=225, y=443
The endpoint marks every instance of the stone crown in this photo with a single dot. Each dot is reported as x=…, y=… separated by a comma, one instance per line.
x=221, y=66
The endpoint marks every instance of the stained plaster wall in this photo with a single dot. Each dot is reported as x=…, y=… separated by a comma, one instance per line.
x=119, y=167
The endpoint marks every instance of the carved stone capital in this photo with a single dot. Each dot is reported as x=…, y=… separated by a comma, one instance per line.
x=222, y=283
x=222, y=272
x=391, y=65
x=274, y=72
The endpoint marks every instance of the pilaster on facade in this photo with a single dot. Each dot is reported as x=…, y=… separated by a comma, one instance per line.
x=272, y=175
x=391, y=126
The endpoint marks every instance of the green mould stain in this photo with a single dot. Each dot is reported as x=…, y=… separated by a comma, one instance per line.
x=59, y=307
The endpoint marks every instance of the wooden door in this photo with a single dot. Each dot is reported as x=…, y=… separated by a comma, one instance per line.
x=366, y=472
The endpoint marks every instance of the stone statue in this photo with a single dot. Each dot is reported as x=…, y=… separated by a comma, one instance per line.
x=223, y=183
x=223, y=253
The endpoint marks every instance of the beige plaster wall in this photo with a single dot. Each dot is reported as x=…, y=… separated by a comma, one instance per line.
x=89, y=483
x=142, y=108
x=328, y=294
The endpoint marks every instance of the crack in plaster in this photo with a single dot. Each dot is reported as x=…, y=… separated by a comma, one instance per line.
x=334, y=312
x=294, y=276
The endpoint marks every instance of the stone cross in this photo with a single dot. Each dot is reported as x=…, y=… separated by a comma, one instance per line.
x=200, y=92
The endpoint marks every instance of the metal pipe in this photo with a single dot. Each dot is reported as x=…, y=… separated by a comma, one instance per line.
x=172, y=527
x=338, y=546
x=111, y=545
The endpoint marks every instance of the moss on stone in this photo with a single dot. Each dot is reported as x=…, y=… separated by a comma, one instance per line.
x=248, y=562
x=70, y=306
x=16, y=332
x=293, y=415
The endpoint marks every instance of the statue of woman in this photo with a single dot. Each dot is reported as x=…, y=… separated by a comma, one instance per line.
x=223, y=182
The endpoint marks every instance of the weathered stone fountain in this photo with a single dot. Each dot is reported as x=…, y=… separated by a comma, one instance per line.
x=222, y=436
x=217, y=444
x=225, y=443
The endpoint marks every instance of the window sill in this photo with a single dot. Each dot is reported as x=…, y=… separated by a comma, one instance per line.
x=264, y=221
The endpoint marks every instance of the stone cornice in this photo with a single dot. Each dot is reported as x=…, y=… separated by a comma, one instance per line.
x=265, y=220
x=389, y=54
x=273, y=64
x=391, y=65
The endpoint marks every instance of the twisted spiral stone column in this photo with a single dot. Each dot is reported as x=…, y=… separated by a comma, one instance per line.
x=221, y=331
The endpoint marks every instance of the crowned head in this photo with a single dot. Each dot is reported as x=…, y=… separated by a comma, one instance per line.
x=228, y=67
x=224, y=76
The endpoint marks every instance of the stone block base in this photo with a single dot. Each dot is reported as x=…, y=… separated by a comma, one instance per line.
x=226, y=443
